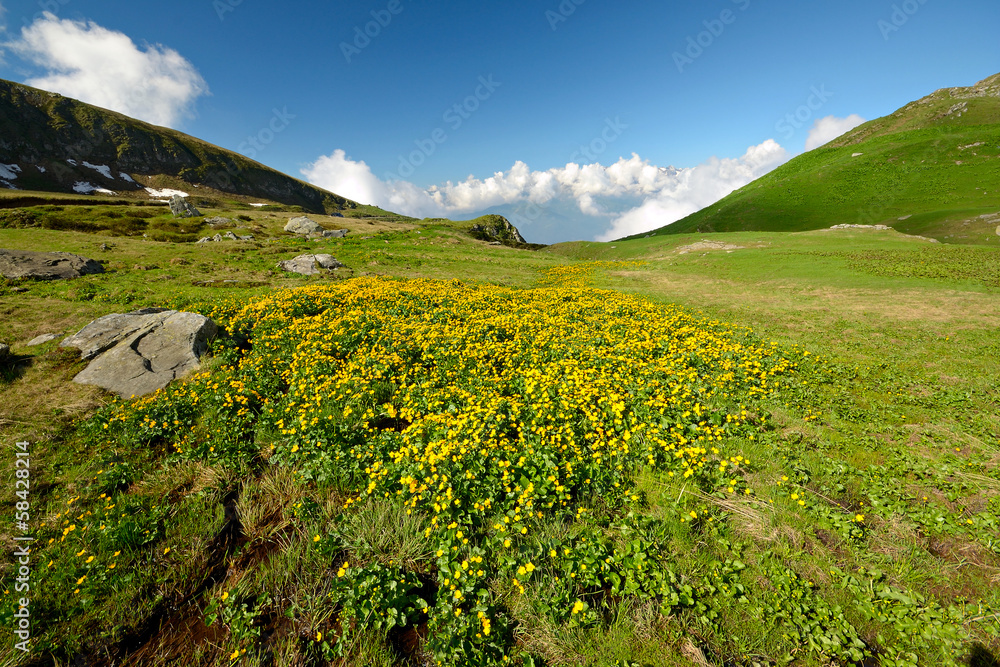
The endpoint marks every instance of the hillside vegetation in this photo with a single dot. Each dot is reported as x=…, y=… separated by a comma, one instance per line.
x=50, y=137
x=931, y=168
x=761, y=449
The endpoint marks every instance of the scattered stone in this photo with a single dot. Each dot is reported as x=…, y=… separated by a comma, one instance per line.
x=4, y=351
x=856, y=154
x=309, y=265
x=904, y=217
x=707, y=245
x=141, y=267
x=998, y=230
x=228, y=236
x=19, y=290
x=182, y=208
x=218, y=222
x=136, y=353
x=876, y=227
x=105, y=247
x=179, y=261
x=46, y=265
x=331, y=234
x=495, y=243
x=42, y=340
x=303, y=225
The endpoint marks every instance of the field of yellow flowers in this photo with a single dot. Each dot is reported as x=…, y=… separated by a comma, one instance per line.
x=468, y=474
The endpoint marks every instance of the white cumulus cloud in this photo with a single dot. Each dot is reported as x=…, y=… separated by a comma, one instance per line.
x=593, y=200
x=693, y=189
x=340, y=174
x=827, y=129
x=105, y=68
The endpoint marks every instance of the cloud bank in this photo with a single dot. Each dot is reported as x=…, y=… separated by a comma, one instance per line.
x=629, y=196
x=825, y=130
x=105, y=68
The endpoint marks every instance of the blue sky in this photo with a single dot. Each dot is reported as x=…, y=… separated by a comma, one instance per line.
x=375, y=117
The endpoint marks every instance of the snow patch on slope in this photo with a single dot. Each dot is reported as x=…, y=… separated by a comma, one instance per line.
x=165, y=192
x=86, y=188
x=103, y=169
x=9, y=172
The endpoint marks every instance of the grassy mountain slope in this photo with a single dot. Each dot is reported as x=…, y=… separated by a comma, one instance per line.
x=42, y=132
x=931, y=168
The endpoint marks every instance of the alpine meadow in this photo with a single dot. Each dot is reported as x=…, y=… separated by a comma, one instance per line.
x=246, y=420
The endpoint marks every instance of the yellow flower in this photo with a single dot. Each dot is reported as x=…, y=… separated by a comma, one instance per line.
x=316, y=539
x=577, y=607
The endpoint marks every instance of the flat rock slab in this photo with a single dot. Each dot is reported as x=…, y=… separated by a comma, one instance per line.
x=330, y=234
x=45, y=265
x=310, y=265
x=42, y=340
x=137, y=353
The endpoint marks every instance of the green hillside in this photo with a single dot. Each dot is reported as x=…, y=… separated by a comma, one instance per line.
x=49, y=137
x=931, y=168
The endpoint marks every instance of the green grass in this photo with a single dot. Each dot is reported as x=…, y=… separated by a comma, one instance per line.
x=895, y=420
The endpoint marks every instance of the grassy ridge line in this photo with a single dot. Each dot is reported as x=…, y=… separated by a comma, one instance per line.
x=668, y=510
x=47, y=129
x=927, y=169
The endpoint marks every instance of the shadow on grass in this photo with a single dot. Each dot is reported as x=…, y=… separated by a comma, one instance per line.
x=13, y=368
x=980, y=656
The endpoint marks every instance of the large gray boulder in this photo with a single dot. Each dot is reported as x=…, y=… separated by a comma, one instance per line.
x=134, y=354
x=182, y=208
x=334, y=233
x=303, y=225
x=309, y=265
x=45, y=265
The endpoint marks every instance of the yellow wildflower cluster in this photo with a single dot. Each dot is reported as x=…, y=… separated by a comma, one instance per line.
x=485, y=406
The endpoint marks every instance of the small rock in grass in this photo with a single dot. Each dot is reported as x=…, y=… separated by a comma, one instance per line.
x=4, y=351
x=310, y=265
x=41, y=340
